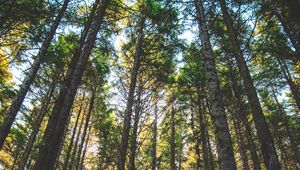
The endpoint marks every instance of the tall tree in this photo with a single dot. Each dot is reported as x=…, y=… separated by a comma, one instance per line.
x=225, y=150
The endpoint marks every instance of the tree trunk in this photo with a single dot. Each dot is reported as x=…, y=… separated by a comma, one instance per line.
x=130, y=98
x=37, y=125
x=288, y=130
x=133, y=144
x=281, y=148
x=172, y=141
x=203, y=133
x=73, y=155
x=287, y=75
x=241, y=113
x=53, y=135
x=87, y=121
x=241, y=143
x=85, y=149
x=65, y=165
x=267, y=146
x=197, y=141
x=224, y=147
x=11, y=113
x=154, y=138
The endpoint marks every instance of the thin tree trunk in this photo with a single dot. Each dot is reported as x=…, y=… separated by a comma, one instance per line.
x=11, y=113
x=196, y=138
x=53, y=135
x=73, y=134
x=85, y=149
x=133, y=144
x=203, y=133
x=73, y=155
x=241, y=143
x=241, y=113
x=85, y=129
x=37, y=125
x=280, y=145
x=224, y=147
x=154, y=138
x=130, y=98
x=267, y=146
x=287, y=75
x=172, y=142
x=288, y=130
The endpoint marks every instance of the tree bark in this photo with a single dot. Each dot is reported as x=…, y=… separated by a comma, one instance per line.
x=224, y=147
x=130, y=98
x=11, y=113
x=267, y=146
x=53, y=135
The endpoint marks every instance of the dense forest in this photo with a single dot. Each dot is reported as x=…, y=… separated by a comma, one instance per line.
x=149, y=84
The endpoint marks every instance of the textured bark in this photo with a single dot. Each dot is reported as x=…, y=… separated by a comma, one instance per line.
x=130, y=98
x=172, y=141
x=86, y=125
x=65, y=165
x=37, y=125
x=53, y=135
x=11, y=113
x=264, y=136
x=136, y=120
x=224, y=143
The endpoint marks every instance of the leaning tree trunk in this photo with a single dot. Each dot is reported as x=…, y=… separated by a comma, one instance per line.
x=85, y=149
x=224, y=147
x=87, y=121
x=286, y=124
x=65, y=165
x=264, y=135
x=288, y=77
x=74, y=152
x=130, y=98
x=11, y=113
x=241, y=114
x=53, y=135
x=37, y=125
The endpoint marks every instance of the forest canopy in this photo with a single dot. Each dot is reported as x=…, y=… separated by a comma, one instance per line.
x=149, y=84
